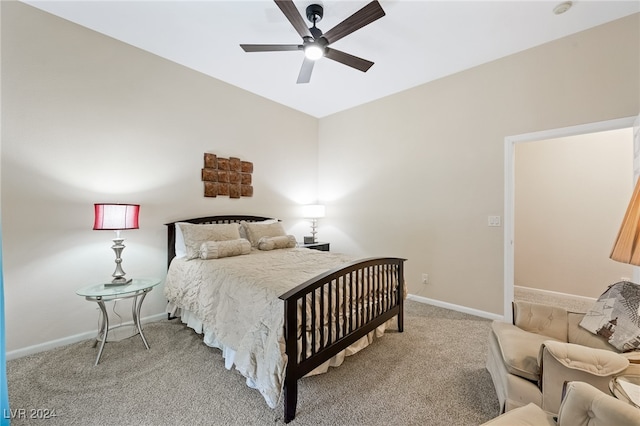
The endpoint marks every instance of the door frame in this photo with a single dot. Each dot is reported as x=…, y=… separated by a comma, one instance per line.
x=509, y=189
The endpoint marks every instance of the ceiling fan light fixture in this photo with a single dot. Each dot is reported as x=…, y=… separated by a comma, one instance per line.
x=313, y=51
x=315, y=43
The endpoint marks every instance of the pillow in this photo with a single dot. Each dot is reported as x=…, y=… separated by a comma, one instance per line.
x=271, y=243
x=257, y=230
x=243, y=232
x=219, y=249
x=181, y=250
x=615, y=316
x=194, y=235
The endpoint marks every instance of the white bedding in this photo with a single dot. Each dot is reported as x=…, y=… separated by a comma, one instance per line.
x=244, y=316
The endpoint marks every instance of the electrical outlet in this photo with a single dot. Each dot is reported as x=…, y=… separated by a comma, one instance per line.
x=425, y=278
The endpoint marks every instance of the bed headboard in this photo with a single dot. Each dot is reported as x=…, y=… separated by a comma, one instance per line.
x=171, y=228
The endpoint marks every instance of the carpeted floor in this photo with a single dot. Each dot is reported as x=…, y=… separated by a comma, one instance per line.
x=431, y=374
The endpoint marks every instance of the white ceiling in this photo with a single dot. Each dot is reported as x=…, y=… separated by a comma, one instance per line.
x=416, y=42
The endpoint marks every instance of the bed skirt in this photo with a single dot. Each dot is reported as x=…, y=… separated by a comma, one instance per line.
x=209, y=339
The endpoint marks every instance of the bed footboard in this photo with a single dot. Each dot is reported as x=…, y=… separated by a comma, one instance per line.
x=326, y=314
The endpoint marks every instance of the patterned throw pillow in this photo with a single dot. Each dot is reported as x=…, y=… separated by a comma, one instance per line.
x=257, y=230
x=194, y=235
x=274, y=243
x=615, y=316
x=220, y=249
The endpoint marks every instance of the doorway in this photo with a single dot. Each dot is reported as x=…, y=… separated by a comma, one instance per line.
x=509, y=210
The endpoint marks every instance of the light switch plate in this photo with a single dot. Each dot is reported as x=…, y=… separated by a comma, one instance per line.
x=495, y=221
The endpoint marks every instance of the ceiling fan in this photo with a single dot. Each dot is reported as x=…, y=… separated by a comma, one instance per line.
x=315, y=43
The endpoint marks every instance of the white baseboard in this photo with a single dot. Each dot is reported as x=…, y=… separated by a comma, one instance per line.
x=459, y=308
x=41, y=347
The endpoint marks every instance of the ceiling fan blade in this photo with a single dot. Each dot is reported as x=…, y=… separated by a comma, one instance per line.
x=305, y=71
x=347, y=59
x=364, y=16
x=291, y=12
x=270, y=47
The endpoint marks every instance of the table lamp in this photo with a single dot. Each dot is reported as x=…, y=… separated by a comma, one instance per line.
x=116, y=217
x=313, y=212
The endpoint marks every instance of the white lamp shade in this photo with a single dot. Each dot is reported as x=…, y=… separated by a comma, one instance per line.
x=313, y=211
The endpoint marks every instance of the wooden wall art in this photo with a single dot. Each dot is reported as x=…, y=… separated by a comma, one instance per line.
x=230, y=177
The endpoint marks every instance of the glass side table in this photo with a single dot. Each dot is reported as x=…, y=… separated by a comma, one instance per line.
x=137, y=289
x=626, y=387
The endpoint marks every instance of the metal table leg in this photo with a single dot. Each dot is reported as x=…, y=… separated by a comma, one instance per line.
x=104, y=330
x=135, y=310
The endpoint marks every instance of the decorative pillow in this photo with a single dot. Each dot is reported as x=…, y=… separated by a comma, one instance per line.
x=194, y=235
x=272, y=243
x=257, y=230
x=219, y=249
x=615, y=316
x=243, y=232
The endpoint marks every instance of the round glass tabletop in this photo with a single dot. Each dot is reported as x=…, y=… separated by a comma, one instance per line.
x=100, y=290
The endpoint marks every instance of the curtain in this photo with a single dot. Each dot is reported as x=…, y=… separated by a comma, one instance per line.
x=4, y=393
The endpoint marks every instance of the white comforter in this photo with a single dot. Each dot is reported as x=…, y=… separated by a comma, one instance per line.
x=236, y=301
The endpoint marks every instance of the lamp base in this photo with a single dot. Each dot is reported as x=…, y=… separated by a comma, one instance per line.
x=314, y=227
x=118, y=274
x=118, y=281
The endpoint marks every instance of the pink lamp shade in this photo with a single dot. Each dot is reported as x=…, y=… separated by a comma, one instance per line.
x=116, y=217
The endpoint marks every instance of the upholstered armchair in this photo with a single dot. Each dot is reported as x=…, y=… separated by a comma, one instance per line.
x=582, y=405
x=531, y=359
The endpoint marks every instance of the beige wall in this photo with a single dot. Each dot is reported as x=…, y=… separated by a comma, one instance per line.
x=89, y=119
x=416, y=174
x=570, y=197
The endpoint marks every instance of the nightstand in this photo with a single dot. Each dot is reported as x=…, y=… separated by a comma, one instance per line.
x=315, y=246
x=137, y=290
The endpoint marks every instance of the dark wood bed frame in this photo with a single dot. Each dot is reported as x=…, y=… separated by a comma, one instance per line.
x=381, y=278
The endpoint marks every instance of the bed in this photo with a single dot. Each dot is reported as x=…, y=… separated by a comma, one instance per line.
x=255, y=306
